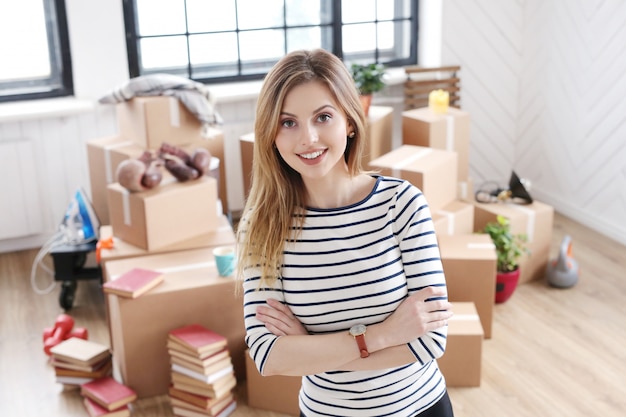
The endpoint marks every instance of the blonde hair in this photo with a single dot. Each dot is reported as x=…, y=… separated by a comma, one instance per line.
x=274, y=210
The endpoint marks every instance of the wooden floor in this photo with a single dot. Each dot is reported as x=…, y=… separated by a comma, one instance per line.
x=554, y=352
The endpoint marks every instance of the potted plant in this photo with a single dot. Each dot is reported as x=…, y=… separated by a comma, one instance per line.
x=509, y=249
x=368, y=79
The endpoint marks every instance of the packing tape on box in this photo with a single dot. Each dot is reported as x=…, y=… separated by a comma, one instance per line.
x=450, y=216
x=464, y=317
x=108, y=169
x=481, y=246
x=530, y=226
x=395, y=172
x=449, y=132
x=463, y=190
x=174, y=112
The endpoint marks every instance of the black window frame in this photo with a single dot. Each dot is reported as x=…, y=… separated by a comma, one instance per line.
x=60, y=82
x=336, y=25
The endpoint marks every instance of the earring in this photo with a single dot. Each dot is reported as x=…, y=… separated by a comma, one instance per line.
x=351, y=135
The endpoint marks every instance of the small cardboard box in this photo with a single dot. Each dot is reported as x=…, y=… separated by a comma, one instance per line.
x=456, y=218
x=246, y=145
x=165, y=215
x=431, y=170
x=469, y=262
x=379, y=132
x=449, y=131
x=535, y=220
x=275, y=393
x=191, y=292
x=150, y=121
x=462, y=361
x=103, y=156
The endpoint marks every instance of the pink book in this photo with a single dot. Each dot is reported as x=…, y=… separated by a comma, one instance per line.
x=198, y=338
x=108, y=393
x=133, y=283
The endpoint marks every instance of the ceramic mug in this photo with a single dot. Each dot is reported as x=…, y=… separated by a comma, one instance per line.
x=225, y=260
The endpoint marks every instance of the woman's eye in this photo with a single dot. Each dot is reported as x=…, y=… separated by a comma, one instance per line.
x=288, y=123
x=324, y=117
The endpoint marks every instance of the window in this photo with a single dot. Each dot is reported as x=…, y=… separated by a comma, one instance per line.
x=229, y=40
x=34, y=49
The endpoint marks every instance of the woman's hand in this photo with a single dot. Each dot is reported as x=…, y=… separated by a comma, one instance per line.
x=417, y=315
x=279, y=319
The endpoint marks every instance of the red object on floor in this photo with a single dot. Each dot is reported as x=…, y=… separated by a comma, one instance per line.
x=506, y=282
x=62, y=330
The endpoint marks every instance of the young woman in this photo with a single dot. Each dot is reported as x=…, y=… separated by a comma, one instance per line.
x=342, y=277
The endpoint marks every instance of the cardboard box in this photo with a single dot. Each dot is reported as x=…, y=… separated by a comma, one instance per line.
x=431, y=170
x=379, y=133
x=165, y=215
x=462, y=361
x=466, y=190
x=275, y=393
x=456, y=218
x=469, y=262
x=103, y=156
x=192, y=292
x=449, y=131
x=150, y=121
x=246, y=145
x=535, y=220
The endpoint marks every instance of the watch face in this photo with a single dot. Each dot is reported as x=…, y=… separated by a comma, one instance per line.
x=357, y=329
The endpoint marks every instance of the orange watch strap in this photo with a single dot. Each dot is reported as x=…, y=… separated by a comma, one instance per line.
x=360, y=341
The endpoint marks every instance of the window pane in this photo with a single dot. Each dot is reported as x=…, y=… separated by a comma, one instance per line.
x=359, y=10
x=211, y=15
x=260, y=45
x=164, y=52
x=161, y=17
x=310, y=12
x=24, y=41
x=248, y=12
x=213, y=49
x=359, y=37
x=306, y=38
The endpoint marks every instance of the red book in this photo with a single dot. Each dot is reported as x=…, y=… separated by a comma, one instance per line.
x=95, y=410
x=133, y=283
x=108, y=393
x=198, y=339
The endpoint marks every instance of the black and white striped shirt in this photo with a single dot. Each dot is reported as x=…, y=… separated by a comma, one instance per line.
x=352, y=265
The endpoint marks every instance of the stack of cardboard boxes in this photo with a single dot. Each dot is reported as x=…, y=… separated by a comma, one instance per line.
x=172, y=229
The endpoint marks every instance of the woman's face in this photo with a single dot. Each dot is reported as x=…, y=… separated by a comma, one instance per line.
x=312, y=132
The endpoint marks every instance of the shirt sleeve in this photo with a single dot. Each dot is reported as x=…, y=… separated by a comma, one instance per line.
x=421, y=260
x=259, y=340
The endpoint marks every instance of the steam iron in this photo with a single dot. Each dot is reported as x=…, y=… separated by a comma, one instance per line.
x=80, y=223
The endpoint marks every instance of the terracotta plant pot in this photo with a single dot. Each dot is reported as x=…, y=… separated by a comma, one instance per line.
x=366, y=102
x=506, y=282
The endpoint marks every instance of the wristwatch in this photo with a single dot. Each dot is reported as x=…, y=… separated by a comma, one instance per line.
x=358, y=332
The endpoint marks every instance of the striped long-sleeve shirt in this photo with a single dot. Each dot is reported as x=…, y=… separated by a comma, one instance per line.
x=352, y=265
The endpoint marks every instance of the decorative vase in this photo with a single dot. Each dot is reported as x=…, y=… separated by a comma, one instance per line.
x=506, y=282
x=366, y=102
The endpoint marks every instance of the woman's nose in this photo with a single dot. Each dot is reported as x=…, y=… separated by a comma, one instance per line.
x=309, y=135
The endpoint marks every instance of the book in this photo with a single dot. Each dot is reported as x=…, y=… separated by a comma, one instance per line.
x=197, y=338
x=79, y=351
x=72, y=380
x=133, y=283
x=173, y=346
x=207, y=390
x=203, y=370
x=217, y=406
x=104, y=370
x=60, y=364
x=95, y=410
x=199, y=401
x=189, y=380
x=201, y=362
x=108, y=393
x=184, y=412
x=209, y=379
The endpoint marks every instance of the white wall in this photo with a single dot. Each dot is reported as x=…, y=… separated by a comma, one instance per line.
x=542, y=81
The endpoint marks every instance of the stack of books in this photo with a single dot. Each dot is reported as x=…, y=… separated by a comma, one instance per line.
x=77, y=361
x=202, y=373
x=105, y=397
